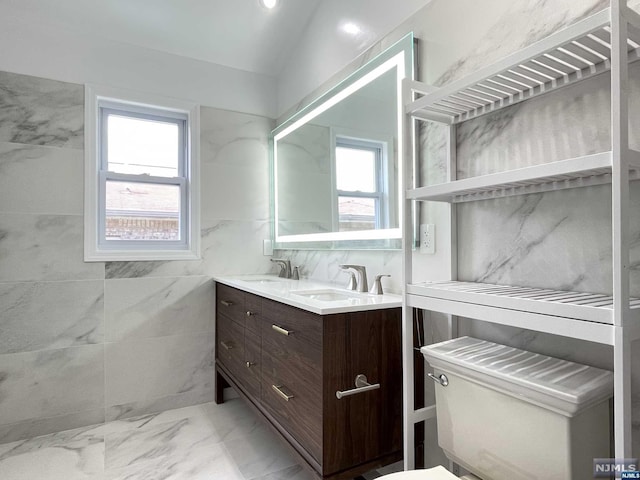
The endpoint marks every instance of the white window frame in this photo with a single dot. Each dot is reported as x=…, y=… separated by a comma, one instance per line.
x=385, y=183
x=100, y=101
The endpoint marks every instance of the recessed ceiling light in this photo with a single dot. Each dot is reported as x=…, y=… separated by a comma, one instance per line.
x=351, y=28
x=269, y=3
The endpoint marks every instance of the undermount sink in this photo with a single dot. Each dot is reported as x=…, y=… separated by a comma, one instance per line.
x=328, y=295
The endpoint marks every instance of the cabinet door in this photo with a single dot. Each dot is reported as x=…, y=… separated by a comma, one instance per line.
x=252, y=363
x=367, y=425
x=253, y=314
x=230, y=344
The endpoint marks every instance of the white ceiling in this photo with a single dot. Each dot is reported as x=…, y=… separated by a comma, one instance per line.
x=235, y=33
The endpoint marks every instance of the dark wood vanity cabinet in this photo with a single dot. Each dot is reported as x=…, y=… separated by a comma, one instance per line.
x=289, y=363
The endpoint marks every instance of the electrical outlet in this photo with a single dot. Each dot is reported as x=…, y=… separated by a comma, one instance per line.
x=428, y=238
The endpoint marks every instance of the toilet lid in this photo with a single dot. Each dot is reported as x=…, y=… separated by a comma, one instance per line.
x=436, y=473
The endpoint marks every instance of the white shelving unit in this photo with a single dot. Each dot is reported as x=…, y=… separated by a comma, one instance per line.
x=604, y=42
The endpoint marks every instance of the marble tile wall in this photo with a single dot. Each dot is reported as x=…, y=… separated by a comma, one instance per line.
x=84, y=342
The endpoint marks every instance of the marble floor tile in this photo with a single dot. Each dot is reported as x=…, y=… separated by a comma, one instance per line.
x=295, y=472
x=259, y=454
x=206, y=462
x=74, y=454
x=154, y=441
x=232, y=420
x=201, y=442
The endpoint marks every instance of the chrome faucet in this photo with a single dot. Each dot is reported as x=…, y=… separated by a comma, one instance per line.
x=285, y=267
x=361, y=284
x=376, y=288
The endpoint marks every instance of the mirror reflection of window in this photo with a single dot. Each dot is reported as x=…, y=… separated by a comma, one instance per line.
x=360, y=185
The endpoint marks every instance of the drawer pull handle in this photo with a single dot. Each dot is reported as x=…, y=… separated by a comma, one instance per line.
x=226, y=303
x=277, y=388
x=227, y=346
x=250, y=313
x=282, y=330
x=362, y=385
x=249, y=364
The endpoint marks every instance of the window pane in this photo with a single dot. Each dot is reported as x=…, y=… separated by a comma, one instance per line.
x=138, y=146
x=142, y=211
x=356, y=213
x=356, y=169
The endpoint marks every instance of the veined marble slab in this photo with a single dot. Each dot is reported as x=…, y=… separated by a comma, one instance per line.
x=48, y=383
x=38, y=179
x=50, y=315
x=154, y=307
x=39, y=111
x=44, y=247
x=151, y=368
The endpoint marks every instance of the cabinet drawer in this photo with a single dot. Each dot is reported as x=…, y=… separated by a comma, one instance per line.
x=230, y=344
x=253, y=313
x=230, y=302
x=252, y=363
x=293, y=331
x=301, y=413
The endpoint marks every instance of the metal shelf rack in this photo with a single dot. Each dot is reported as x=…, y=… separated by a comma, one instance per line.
x=577, y=172
x=604, y=42
x=571, y=55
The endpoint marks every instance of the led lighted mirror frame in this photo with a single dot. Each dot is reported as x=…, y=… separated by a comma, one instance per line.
x=397, y=61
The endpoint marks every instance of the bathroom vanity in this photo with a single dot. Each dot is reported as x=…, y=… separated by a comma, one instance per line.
x=288, y=354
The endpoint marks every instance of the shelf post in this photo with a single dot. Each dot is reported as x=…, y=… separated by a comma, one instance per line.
x=452, y=175
x=408, y=137
x=620, y=224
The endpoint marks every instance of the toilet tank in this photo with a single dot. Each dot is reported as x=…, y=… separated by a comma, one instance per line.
x=509, y=414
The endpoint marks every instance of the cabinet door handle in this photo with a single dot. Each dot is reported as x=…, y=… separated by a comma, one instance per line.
x=226, y=303
x=250, y=313
x=277, y=388
x=282, y=330
x=249, y=364
x=227, y=345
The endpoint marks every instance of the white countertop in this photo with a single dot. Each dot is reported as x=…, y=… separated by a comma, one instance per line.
x=284, y=291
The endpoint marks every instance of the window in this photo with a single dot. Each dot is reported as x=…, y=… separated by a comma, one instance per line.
x=141, y=190
x=361, y=186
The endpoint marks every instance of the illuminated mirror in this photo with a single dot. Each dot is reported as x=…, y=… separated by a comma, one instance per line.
x=337, y=163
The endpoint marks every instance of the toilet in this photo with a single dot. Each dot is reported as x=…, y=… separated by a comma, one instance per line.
x=510, y=414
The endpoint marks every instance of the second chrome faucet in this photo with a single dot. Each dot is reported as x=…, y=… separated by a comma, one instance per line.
x=361, y=285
